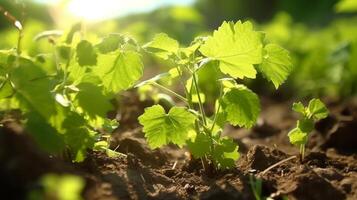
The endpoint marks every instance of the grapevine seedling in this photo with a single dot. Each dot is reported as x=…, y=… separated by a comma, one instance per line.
x=235, y=51
x=316, y=110
x=64, y=94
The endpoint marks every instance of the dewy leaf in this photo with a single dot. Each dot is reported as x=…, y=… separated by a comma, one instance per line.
x=86, y=55
x=276, y=65
x=317, y=109
x=225, y=153
x=299, y=107
x=242, y=106
x=163, y=46
x=297, y=137
x=119, y=70
x=237, y=46
x=161, y=128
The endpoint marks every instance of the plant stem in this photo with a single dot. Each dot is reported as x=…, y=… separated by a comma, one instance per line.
x=55, y=55
x=218, y=108
x=194, y=80
x=302, y=152
x=171, y=92
x=19, y=39
x=187, y=93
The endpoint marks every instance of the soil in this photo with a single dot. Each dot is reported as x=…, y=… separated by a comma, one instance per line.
x=329, y=170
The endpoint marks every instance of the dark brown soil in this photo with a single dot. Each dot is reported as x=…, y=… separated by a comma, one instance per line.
x=329, y=170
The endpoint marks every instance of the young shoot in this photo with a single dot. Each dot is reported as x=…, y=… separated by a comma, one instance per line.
x=234, y=51
x=316, y=110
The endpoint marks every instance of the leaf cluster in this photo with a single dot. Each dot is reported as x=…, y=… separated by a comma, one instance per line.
x=316, y=110
x=65, y=95
x=234, y=51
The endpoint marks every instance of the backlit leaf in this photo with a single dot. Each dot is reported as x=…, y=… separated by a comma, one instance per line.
x=297, y=137
x=237, y=46
x=317, y=109
x=225, y=153
x=119, y=70
x=276, y=65
x=86, y=55
x=163, y=46
x=161, y=128
x=200, y=145
x=242, y=106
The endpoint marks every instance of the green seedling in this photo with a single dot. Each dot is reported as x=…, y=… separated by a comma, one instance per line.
x=234, y=52
x=256, y=187
x=316, y=110
x=65, y=93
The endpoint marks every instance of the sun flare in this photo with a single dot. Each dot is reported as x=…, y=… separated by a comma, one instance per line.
x=94, y=10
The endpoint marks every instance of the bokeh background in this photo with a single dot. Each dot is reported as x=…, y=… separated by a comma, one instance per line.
x=321, y=35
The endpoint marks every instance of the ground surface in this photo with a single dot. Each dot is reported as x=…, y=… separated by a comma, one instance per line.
x=328, y=172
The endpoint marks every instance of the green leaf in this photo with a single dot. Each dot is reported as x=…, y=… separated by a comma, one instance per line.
x=99, y=146
x=62, y=187
x=119, y=70
x=299, y=107
x=237, y=46
x=92, y=100
x=6, y=89
x=194, y=95
x=64, y=51
x=276, y=65
x=44, y=134
x=163, y=46
x=33, y=89
x=297, y=137
x=110, y=125
x=44, y=116
x=306, y=125
x=5, y=57
x=346, y=6
x=75, y=28
x=242, y=106
x=200, y=145
x=86, y=55
x=188, y=51
x=110, y=43
x=225, y=153
x=77, y=136
x=317, y=109
x=76, y=73
x=161, y=128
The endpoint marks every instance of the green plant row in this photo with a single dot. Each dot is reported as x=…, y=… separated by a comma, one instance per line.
x=64, y=95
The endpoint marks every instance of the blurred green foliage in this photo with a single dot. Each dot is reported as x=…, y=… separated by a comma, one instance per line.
x=322, y=36
x=325, y=58
x=59, y=187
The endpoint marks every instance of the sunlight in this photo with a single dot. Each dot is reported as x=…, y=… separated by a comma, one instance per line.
x=97, y=10
x=94, y=10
